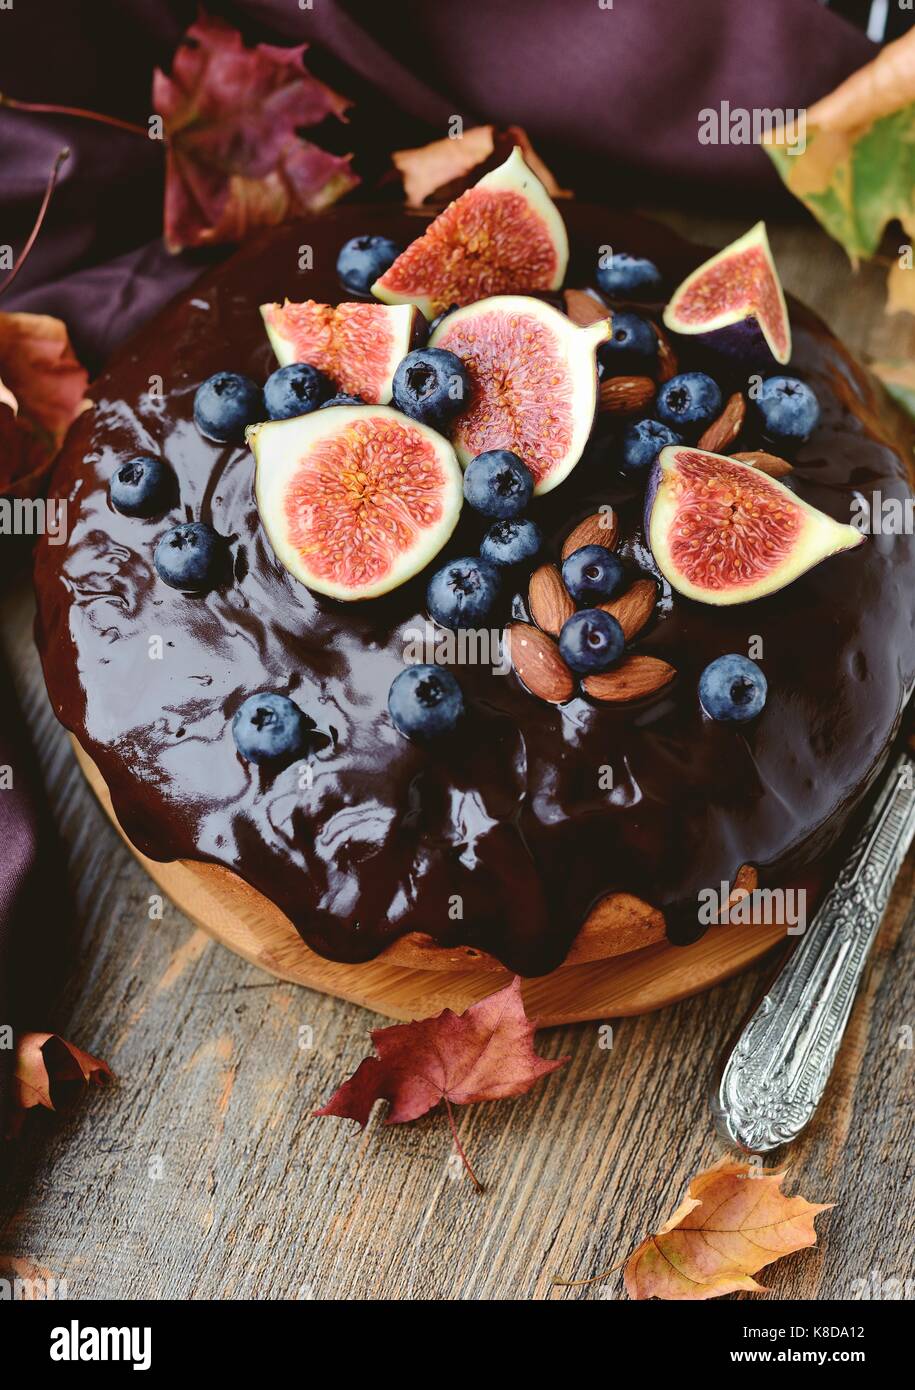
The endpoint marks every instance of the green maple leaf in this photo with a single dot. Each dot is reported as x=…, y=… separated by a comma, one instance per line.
x=857, y=172
x=855, y=182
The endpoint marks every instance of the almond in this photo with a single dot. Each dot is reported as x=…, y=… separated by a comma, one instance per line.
x=633, y=608
x=599, y=529
x=634, y=678
x=722, y=432
x=537, y=663
x=584, y=308
x=667, y=358
x=549, y=599
x=766, y=463
x=626, y=395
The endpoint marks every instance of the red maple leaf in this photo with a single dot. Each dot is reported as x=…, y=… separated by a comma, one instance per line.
x=235, y=161
x=485, y=1053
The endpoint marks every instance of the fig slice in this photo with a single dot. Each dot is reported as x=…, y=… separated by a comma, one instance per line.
x=533, y=382
x=735, y=302
x=355, y=500
x=722, y=532
x=357, y=345
x=503, y=236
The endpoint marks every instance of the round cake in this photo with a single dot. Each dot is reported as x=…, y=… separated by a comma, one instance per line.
x=542, y=830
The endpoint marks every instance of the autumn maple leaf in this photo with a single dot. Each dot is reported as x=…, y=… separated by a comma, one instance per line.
x=856, y=169
x=734, y=1220
x=235, y=161
x=443, y=169
x=485, y=1053
x=51, y=1072
x=42, y=389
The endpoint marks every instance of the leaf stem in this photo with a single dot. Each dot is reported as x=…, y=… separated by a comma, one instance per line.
x=583, y=1283
x=44, y=108
x=62, y=155
x=457, y=1144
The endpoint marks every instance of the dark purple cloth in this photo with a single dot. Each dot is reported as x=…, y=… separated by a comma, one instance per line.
x=35, y=919
x=611, y=98
x=18, y=863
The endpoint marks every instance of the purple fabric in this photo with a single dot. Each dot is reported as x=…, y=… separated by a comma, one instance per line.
x=35, y=919
x=19, y=841
x=609, y=96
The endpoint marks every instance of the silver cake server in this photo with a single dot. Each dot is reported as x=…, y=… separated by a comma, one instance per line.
x=775, y=1071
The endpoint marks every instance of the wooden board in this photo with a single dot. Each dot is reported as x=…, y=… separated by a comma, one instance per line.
x=631, y=984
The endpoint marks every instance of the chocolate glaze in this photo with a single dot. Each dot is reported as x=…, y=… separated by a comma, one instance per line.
x=510, y=815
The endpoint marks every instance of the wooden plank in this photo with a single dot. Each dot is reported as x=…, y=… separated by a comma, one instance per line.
x=201, y=1174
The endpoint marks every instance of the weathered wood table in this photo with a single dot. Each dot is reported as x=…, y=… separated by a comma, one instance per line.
x=202, y=1175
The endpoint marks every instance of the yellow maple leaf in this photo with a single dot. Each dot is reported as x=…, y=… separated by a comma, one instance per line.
x=734, y=1220
x=427, y=169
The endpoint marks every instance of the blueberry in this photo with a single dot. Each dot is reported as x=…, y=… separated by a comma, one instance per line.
x=591, y=640
x=789, y=409
x=498, y=484
x=425, y=702
x=625, y=276
x=632, y=342
x=225, y=404
x=732, y=688
x=432, y=386
x=689, y=402
x=191, y=557
x=295, y=390
x=342, y=400
x=511, y=542
x=462, y=593
x=271, y=729
x=141, y=486
x=642, y=442
x=592, y=574
x=363, y=259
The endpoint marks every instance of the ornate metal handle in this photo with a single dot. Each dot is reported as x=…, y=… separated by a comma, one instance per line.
x=773, y=1078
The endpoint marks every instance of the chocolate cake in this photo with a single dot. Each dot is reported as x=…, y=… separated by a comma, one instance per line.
x=510, y=818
